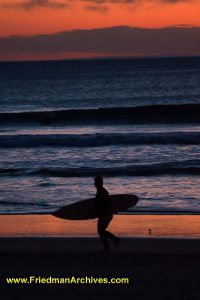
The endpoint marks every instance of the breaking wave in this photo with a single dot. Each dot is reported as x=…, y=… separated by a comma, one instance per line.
x=144, y=114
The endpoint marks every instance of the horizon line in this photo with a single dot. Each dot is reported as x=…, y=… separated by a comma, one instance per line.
x=102, y=58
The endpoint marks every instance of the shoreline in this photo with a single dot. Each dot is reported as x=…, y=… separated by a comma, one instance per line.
x=149, y=213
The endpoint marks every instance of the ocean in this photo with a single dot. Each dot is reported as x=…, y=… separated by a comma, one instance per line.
x=136, y=122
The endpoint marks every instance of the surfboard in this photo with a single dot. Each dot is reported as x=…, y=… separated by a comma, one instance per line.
x=87, y=209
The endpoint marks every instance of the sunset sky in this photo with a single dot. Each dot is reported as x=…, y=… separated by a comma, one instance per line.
x=42, y=17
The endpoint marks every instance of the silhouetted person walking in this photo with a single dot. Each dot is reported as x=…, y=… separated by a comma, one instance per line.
x=105, y=214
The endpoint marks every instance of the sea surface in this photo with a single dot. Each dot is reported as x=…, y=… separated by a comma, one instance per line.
x=136, y=122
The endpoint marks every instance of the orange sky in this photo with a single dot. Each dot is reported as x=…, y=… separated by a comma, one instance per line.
x=85, y=14
x=34, y=17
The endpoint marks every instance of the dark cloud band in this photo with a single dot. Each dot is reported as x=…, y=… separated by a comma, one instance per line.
x=119, y=41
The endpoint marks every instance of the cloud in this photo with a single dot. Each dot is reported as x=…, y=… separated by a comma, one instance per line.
x=101, y=8
x=30, y=4
x=112, y=41
x=97, y=5
x=104, y=5
x=100, y=2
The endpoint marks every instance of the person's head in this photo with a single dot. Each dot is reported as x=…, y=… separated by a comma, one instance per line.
x=98, y=181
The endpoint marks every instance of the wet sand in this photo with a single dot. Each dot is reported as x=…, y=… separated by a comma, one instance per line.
x=157, y=267
x=122, y=225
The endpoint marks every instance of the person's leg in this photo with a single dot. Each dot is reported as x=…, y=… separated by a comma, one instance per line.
x=110, y=235
x=101, y=226
x=104, y=234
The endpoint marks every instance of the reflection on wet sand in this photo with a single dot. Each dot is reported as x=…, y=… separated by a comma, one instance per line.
x=125, y=225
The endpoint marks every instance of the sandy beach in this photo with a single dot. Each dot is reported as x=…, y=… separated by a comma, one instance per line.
x=157, y=267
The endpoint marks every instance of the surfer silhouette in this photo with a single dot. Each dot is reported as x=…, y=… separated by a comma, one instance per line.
x=105, y=214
